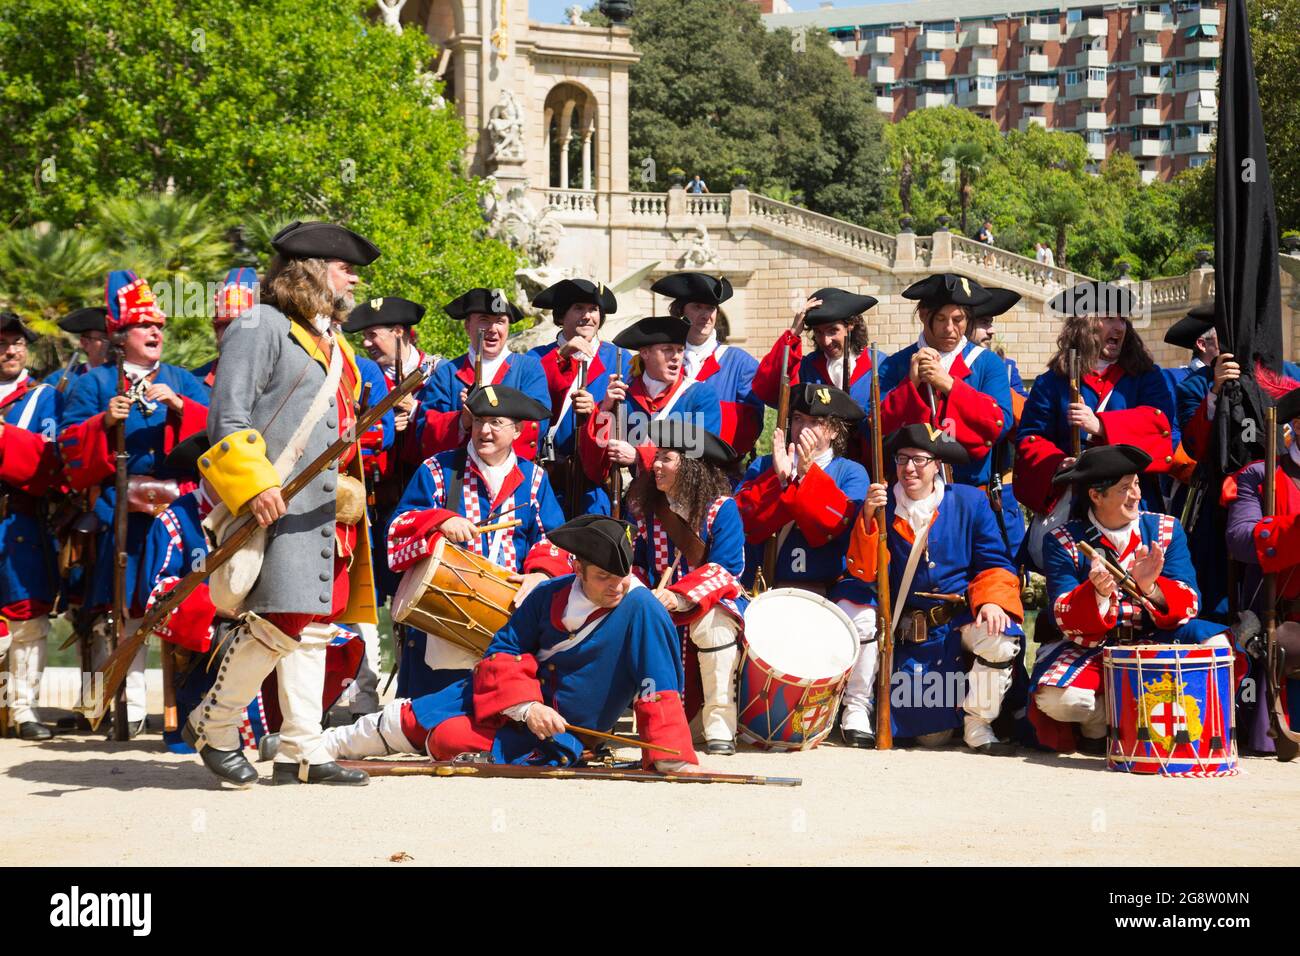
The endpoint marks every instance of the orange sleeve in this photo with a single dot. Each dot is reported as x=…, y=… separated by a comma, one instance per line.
x=996, y=586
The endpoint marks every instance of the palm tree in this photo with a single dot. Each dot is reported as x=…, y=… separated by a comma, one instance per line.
x=967, y=160
x=164, y=236
x=1060, y=205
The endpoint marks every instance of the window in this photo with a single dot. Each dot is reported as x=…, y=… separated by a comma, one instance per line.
x=1097, y=73
x=1073, y=16
x=1094, y=137
x=931, y=56
x=985, y=83
x=1144, y=102
x=1201, y=98
x=1071, y=77
x=1202, y=31
x=1197, y=160
x=943, y=26
x=1043, y=79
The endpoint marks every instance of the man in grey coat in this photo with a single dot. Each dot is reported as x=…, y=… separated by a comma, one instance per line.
x=285, y=390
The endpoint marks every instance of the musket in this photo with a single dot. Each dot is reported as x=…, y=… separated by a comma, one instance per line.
x=120, y=489
x=67, y=370
x=574, y=486
x=771, y=550
x=934, y=415
x=1285, y=740
x=478, y=361
x=884, y=610
x=620, y=433
x=1076, y=441
x=116, y=666
x=1126, y=582
x=474, y=768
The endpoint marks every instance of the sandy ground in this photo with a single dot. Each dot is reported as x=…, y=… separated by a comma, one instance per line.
x=81, y=800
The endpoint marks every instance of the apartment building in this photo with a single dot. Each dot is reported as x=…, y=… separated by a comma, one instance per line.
x=1136, y=77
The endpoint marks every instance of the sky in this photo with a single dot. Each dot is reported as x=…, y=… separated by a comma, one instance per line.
x=552, y=11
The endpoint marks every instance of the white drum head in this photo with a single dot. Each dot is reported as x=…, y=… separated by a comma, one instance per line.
x=411, y=588
x=800, y=634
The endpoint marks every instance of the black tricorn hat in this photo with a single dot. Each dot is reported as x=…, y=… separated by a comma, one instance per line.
x=653, y=330
x=87, y=319
x=837, y=306
x=1000, y=300
x=694, y=287
x=390, y=310
x=566, y=292
x=1094, y=298
x=1288, y=406
x=184, y=458
x=10, y=322
x=1104, y=463
x=1191, y=327
x=689, y=438
x=930, y=439
x=324, y=240
x=947, y=288
x=507, y=403
x=822, y=401
x=598, y=539
x=487, y=301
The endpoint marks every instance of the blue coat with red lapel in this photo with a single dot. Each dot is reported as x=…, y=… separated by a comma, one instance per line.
x=730, y=371
x=440, y=402
x=29, y=467
x=87, y=448
x=424, y=506
x=632, y=657
x=560, y=373
x=822, y=507
x=716, y=582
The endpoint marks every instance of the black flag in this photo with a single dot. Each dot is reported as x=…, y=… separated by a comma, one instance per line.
x=1247, y=302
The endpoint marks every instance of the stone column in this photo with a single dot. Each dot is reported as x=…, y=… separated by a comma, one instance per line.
x=905, y=251
x=564, y=159
x=586, y=160
x=941, y=254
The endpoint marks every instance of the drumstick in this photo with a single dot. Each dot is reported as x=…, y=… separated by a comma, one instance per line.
x=497, y=526
x=626, y=741
x=1125, y=579
x=669, y=572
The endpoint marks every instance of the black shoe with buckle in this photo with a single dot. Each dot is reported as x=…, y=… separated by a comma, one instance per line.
x=859, y=738
x=721, y=748
x=31, y=730
x=327, y=773
x=996, y=748
x=230, y=765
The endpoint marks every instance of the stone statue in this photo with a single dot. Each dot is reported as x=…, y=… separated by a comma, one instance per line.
x=390, y=11
x=574, y=13
x=505, y=127
x=428, y=82
x=516, y=220
x=699, y=256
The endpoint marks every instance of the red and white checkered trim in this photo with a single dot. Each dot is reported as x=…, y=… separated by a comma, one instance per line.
x=1064, y=539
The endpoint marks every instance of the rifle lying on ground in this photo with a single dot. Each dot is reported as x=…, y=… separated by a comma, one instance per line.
x=115, y=668
x=464, y=767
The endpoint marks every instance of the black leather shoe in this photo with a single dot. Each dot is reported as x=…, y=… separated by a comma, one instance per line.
x=230, y=765
x=721, y=748
x=31, y=730
x=1092, y=746
x=996, y=748
x=328, y=773
x=859, y=738
x=268, y=747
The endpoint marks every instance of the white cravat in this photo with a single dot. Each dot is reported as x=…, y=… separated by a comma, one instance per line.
x=835, y=368
x=490, y=365
x=652, y=385
x=410, y=361
x=493, y=475
x=1119, y=537
x=945, y=358
x=1100, y=366
x=697, y=355
x=136, y=372
x=918, y=512
x=8, y=388
x=821, y=461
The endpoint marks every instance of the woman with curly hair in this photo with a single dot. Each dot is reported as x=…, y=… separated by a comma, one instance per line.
x=689, y=526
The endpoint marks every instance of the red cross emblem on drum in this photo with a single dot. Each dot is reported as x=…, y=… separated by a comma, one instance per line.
x=1167, y=710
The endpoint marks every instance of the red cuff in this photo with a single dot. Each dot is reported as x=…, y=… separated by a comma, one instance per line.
x=441, y=432
x=190, y=420
x=190, y=624
x=706, y=587
x=661, y=719
x=977, y=419
x=1277, y=545
x=1079, y=616
x=1144, y=427
x=546, y=558
x=1037, y=461
x=821, y=511
x=593, y=439
x=1197, y=432
x=525, y=445
x=741, y=426
x=503, y=680
x=27, y=461
x=762, y=510
x=767, y=377
x=86, y=453
x=903, y=406
x=1182, y=604
x=412, y=535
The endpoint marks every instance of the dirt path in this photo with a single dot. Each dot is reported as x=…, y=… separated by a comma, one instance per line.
x=85, y=801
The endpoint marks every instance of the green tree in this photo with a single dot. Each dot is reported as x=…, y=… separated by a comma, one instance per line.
x=296, y=109
x=967, y=162
x=1275, y=44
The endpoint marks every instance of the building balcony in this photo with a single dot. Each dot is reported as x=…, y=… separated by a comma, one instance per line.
x=926, y=100
x=1200, y=80
x=1037, y=94
x=977, y=97
x=1201, y=114
x=1148, y=54
x=1090, y=119
x=1148, y=116
x=933, y=40
x=984, y=66
x=1092, y=58
x=980, y=36
x=881, y=74
x=1028, y=121
x=885, y=104
x=1150, y=23
x=1086, y=90
x=1096, y=151
x=932, y=70
x=1149, y=85
x=1198, y=143
x=1200, y=50
x=1205, y=16
x=1040, y=33
x=1147, y=148
x=1035, y=63
x=878, y=46
x=1090, y=27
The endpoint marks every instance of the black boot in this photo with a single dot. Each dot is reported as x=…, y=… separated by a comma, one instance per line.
x=31, y=730
x=720, y=748
x=1093, y=746
x=996, y=748
x=859, y=738
x=230, y=765
x=328, y=773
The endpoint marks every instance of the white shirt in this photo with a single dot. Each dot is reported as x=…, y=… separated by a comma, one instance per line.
x=653, y=385
x=136, y=372
x=821, y=461
x=945, y=358
x=8, y=388
x=835, y=367
x=696, y=355
x=1120, y=538
x=493, y=475
x=490, y=365
x=918, y=512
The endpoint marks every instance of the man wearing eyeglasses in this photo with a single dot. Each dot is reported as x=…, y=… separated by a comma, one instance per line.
x=955, y=592
x=451, y=494
x=29, y=465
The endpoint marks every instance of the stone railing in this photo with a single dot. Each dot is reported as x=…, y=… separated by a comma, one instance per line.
x=648, y=205
x=708, y=204
x=1163, y=295
x=822, y=227
x=572, y=200
x=1010, y=263
x=924, y=250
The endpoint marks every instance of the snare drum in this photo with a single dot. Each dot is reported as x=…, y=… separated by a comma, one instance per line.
x=456, y=595
x=799, y=650
x=1170, y=710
